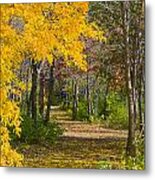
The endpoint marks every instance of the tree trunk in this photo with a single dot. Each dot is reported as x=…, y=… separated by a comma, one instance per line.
x=88, y=97
x=105, y=101
x=75, y=99
x=29, y=105
x=50, y=92
x=27, y=92
x=41, y=95
x=131, y=148
x=34, y=92
x=140, y=106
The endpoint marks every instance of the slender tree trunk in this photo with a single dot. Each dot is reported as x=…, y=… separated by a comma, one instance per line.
x=142, y=128
x=27, y=92
x=34, y=92
x=28, y=100
x=41, y=95
x=141, y=87
x=131, y=148
x=88, y=97
x=141, y=97
x=75, y=99
x=105, y=101
x=50, y=92
x=140, y=106
x=29, y=105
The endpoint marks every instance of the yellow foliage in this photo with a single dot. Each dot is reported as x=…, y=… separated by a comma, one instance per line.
x=51, y=26
x=43, y=30
x=9, y=110
x=9, y=119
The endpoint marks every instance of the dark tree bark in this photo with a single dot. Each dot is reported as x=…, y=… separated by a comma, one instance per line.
x=141, y=75
x=29, y=105
x=131, y=149
x=27, y=92
x=141, y=88
x=140, y=106
x=130, y=84
x=41, y=94
x=34, y=92
x=50, y=92
x=105, y=102
x=88, y=97
x=75, y=99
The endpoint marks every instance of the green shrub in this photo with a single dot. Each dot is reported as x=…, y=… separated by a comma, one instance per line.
x=94, y=119
x=82, y=111
x=127, y=162
x=117, y=112
x=135, y=163
x=104, y=165
x=33, y=134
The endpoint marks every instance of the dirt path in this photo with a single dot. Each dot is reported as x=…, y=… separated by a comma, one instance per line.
x=82, y=145
x=79, y=129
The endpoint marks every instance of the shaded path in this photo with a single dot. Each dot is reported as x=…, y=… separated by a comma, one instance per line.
x=79, y=129
x=82, y=145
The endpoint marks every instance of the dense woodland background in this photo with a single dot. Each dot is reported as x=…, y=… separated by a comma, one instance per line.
x=73, y=85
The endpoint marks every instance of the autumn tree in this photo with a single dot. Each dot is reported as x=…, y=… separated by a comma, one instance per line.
x=56, y=38
x=9, y=108
x=37, y=32
x=132, y=36
x=123, y=24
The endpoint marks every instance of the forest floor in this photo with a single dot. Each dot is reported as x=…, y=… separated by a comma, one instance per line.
x=82, y=145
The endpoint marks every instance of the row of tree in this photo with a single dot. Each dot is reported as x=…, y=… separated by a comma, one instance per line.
x=36, y=33
x=114, y=66
x=124, y=22
x=46, y=60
